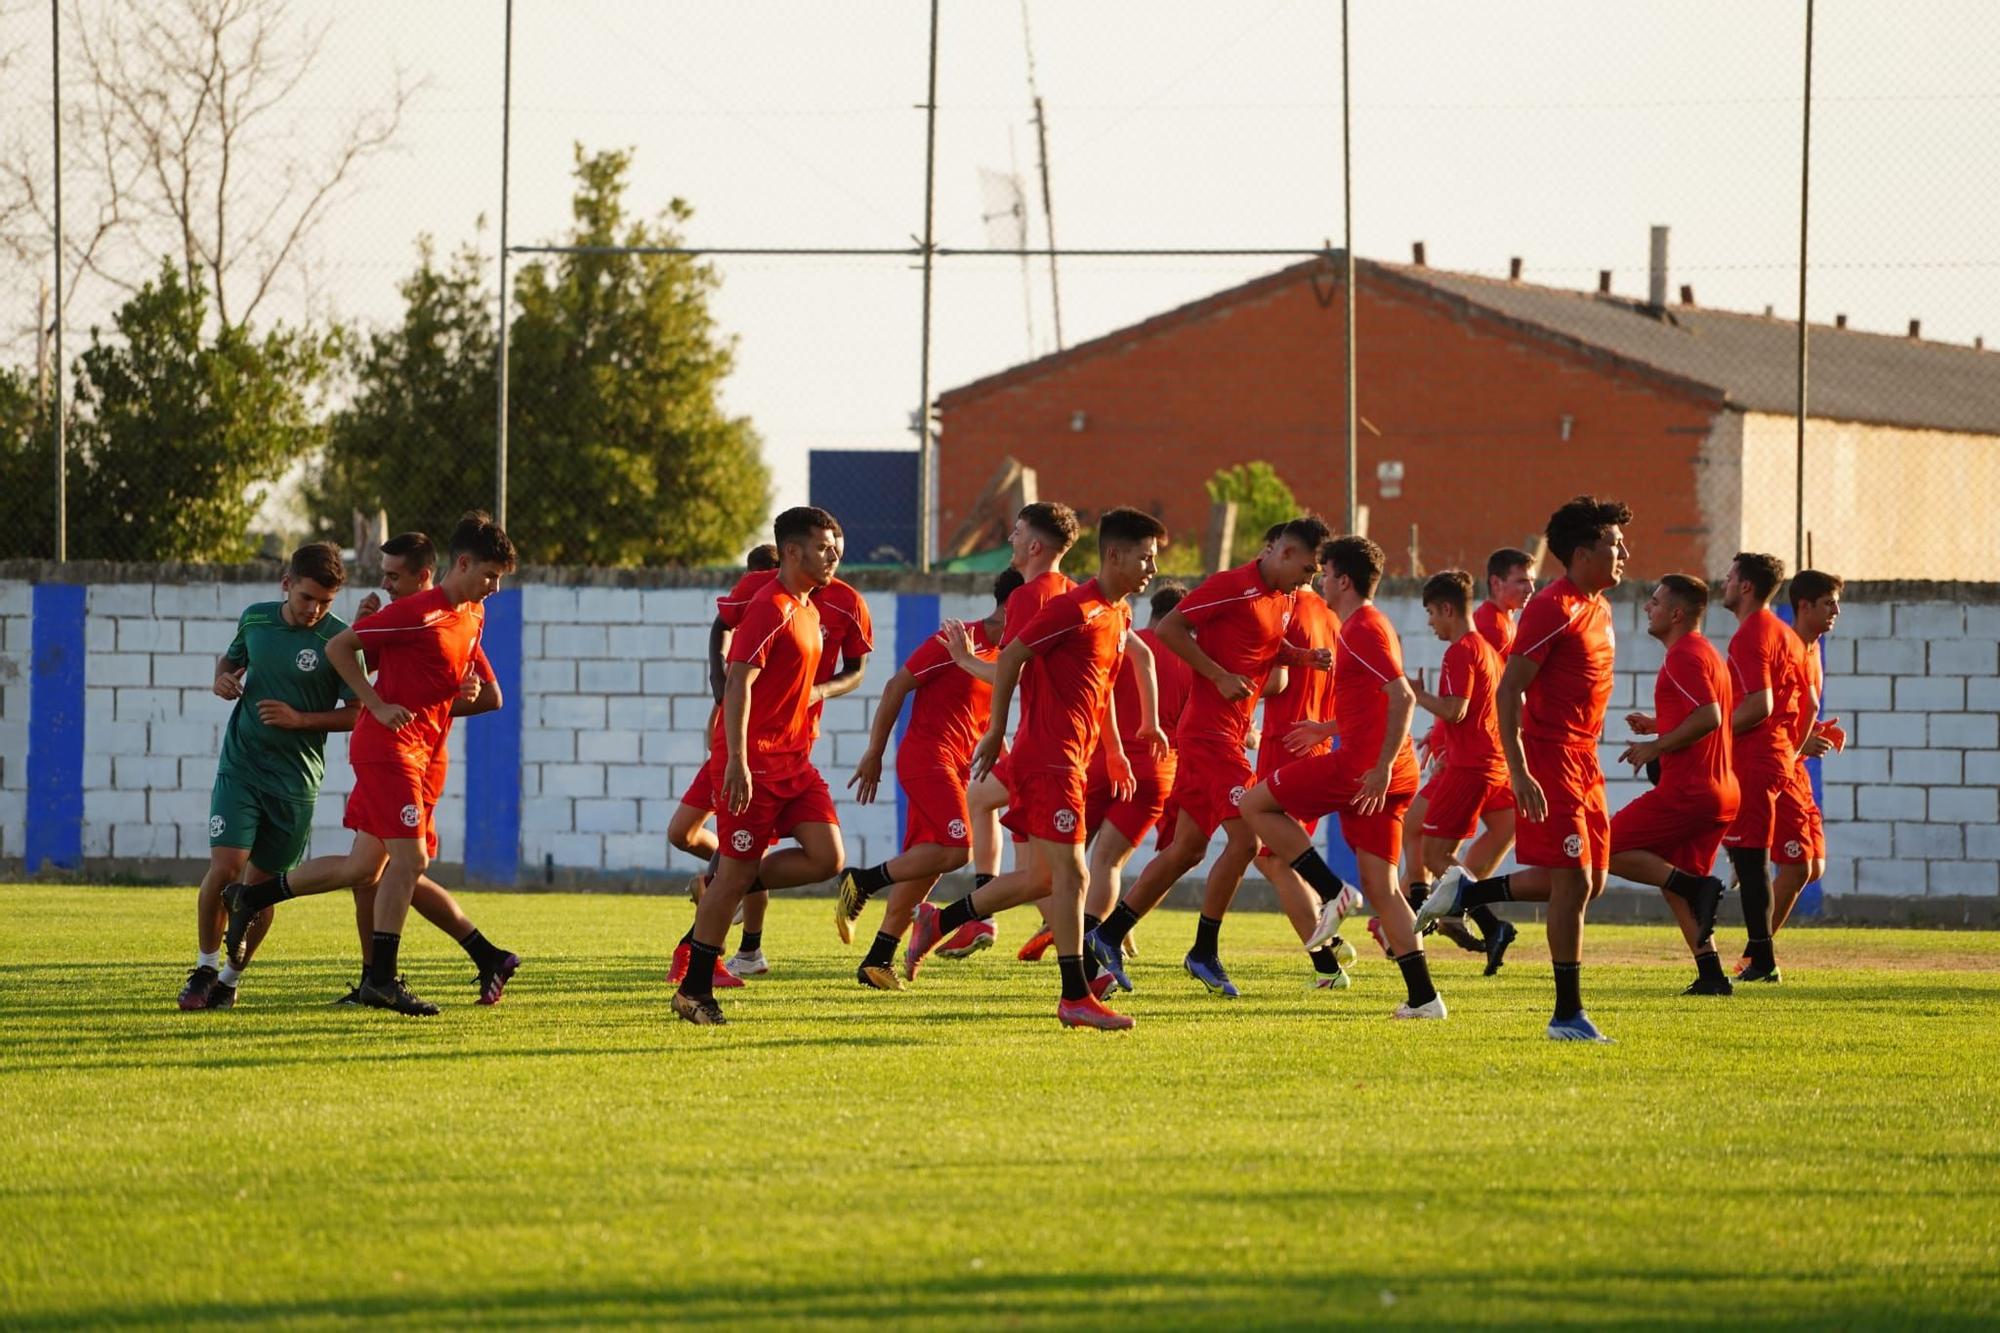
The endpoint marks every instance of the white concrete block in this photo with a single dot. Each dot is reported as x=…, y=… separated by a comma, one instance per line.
x=1901, y=803
x=1964, y=657
x=1852, y=693
x=549, y=675
x=1890, y=729
x=848, y=748
x=691, y=642
x=635, y=851
x=143, y=772
x=184, y=601
x=1965, y=731
x=573, y=779
x=543, y=602
x=679, y=606
x=1890, y=657
x=17, y=635
x=185, y=670
x=646, y=713
x=1860, y=765
x=115, y=669
x=645, y=643
x=1867, y=838
x=1930, y=694
x=609, y=606
x=607, y=816
x=683, y=777
x=184, y=809
x=638, y=781
x=1929, y=620
x=547, y=814
x=531, y=780
x=553, y=745
x=149, y=636
x=847, y=713
x=581, y=712
x=608, y=747
x=100, y=635
x=183, y=740
x=1837, y=802
x=17, y=598
x=197, y=773
x=1839, y=877
x=611, y=676
x=1838, y=653
x=1982, y=622
x=1864, y=620
x=1929, y=841
x=574, y=640
x=578, y=851
x=1930, y=768
x=105, y=808
x=676, y=677
x=146, y=840
x=1890, y=876
x=1982, y=694
x=691, y=713
x=1964, y=805
x=115, y=738
x=1981, y=768
x=673, y=747
x=655, y=815
x=119, y=599
x=1982, y=842
x=1980, y=878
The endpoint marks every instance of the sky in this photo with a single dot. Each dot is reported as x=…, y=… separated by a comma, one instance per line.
x=1554, y=130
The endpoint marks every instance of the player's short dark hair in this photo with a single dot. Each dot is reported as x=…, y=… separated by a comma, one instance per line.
x=320, y=562
x=1004, y=585
x=1581, y=522
x=1452, y=587
x=1272, y=533
x=414, y=549
x=761, y=558
x=1166, y=596
x=1505, y=561
x=798, y=523
x=1357, y=559
x=1053, y=520
x=1308, y=530
x=478, y=536
x=1690, y=592
x=1761, y=571
x=1125, y=525
x=1809, y=585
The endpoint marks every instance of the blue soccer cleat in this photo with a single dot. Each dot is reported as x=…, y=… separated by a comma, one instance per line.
x=1579, y=1028
x=1208, y=971
x=1109, y=957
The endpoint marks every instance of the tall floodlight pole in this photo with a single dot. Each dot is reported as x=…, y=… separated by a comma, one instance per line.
x=927, y=442
x=62, y=443
x=1347, y=261
x=500, y=373
x=1805, y=215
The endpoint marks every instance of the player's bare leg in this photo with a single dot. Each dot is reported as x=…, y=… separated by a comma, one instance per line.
x=933, y=861
x=407, y=860
x=1182, y=854
x=1693, y=900
x=694, y=1000
x=930, y=926
x=1108, y=853
x=926, y=861
x=1302, y=907
x=1225, y=876
x=226, y=866
x=1787, y=884
x=435, y=904
x=363, y=864
x=1063, y=863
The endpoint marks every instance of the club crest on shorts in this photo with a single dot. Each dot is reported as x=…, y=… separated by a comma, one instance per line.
x=1236, y=794
x=1573, y=845
x=956, y=828
x=1792, y=848
x=412, y=816
x=1065, y=820
x=741, y=840
x=216, y=826
x=308, y=659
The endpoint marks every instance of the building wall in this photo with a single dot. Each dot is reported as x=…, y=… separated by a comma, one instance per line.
x=1473, y=410
x=607, y=705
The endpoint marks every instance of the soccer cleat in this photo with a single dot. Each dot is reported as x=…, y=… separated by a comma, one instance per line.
x=1331, y=913
x=240, y=917
x=1037, y=945
x=1710, y=986
x=221, y=996
x=1208, y=971
x=395, y=996
x=724, y=978
x=1766, y=973
x=1431, y=1008
x=1705, y=900
x=1453, y=929
x=968, y=940
x=1579, y=1028
x=1343, y=952
x=750, y=964
x=349, y=1000
x=194, y=995
x=1111, y=959
x=1496, y=947
x=924, y=933
x=696, y=887
x=1742, y=966
x=1329, y=981
x=703, y=1013
x=1375, y=933
x=1442, y=902
x=847, y=904
x=879, y=978
x=1090, y=1012
x=1100, y=986
x=493, y=983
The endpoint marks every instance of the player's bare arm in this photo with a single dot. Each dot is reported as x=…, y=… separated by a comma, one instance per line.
x=1147, y=673
x=1117, y=766
x=1642, y=724
x=475, y=696
x=846, y=682
x=868, y=771
x=1007, y=674
x=958, y=639
x=277, y=713
x=1311, y=659
x=718, y=649
x=344, y=652
x=1514, y=681
x=736, y=784
x=228, y=679
x=1374, y=790
x=1751, y=711
x=1696, y=725
x=1174, y=633
x=1450, y=707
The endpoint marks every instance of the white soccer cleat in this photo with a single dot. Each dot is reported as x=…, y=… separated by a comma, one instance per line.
x=1329, y=981
x=1434, y=1009
x=747, y=964
x=1443, y=902
x=1331, y=913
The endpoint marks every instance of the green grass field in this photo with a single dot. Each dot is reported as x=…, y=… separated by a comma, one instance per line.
x=1817, y=1155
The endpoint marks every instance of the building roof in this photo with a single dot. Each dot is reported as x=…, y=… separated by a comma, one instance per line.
x=1747, y=360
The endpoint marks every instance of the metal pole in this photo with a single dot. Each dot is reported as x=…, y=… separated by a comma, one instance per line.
x=1805, y=214
x=1049, y=219
x=1347, y=262
x=500, y=374
x=62, y=441
x=927, y=443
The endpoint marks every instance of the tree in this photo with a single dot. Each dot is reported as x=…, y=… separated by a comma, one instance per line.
x=27, y=471
x=1262, y=498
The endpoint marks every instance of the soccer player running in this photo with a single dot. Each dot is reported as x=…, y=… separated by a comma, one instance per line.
x=1767, y=666
x=1551, y=704
x=1369, y=781
x=1798, y=835
x=273, y=756
x=1231, y=630
x=767, y=787
x=1472, y=785
x=423, y=645
x=1668, y=837
x=949, y=682
x=1076, y=641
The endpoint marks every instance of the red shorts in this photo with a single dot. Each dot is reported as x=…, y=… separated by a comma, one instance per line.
x=1321, y=785
x=1046, y=803
x=700, y=793
x=1577, y=831
x=777, y=806
x=1003, y=772
x=389, y=801
x=1456, y=798
x=1169, y=820
x=1684, y=829
x=1798, y=833
x=1209, y=783
x=1152, y=777
x=1756, y=817
x=938, y=813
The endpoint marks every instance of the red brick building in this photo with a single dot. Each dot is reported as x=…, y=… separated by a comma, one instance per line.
x=1484, y=403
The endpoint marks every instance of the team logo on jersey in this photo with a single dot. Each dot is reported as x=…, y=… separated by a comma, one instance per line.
x=956, y=828
x=412, y=816
x=1236, y=795
x=216, y=825
x=1065, y=820
x=1792, y=848
x=1573, y=845
x=741, y=840
x=308, y=659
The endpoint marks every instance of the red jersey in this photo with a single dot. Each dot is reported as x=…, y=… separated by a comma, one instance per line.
x=1370, y=657
x=1471, y=672
x=1239, y=622
x=422, y=647
x=1023, y=605
x=1692, y=678
x=846, y=629
x=1569, y=636
x=949, y=707
x=1079, y=640
x=1495, y=624
x=1174, y=677
x=1308, y=693
x=1766, y=653
x=1812, y=688
x=780, y=635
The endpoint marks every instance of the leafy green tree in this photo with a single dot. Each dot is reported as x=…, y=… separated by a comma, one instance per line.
x=27, y=472
x=1262, y=498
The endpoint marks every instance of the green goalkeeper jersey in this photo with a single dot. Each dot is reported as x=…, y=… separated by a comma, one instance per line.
x=289, y=664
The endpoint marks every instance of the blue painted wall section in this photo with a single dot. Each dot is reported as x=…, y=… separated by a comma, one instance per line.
x=493, y=753
x=55, y=728
x=917, y=617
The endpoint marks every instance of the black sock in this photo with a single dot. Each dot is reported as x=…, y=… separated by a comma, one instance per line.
x=1091, y=967
x=480, y=950
x=687, y=937
x=752, y=941
x=872, y=880
x=981, y=881
x=1486, y=919
x=882, y=953
x=1091, y=923
x=699, y=983
x=756, y=886
x=1415, y=892
x=1569, y=990
x=270, y=893
x=1417, y=977
x=1680, y=884
x=1118, y=925
x=1323, y=960
x=1708, y=966
x=1208, y=936
x=1753, y=880
x=1074, y=983
x=1314, y=870
x=1478, y=893
x=382, y=966
x=956, y=914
